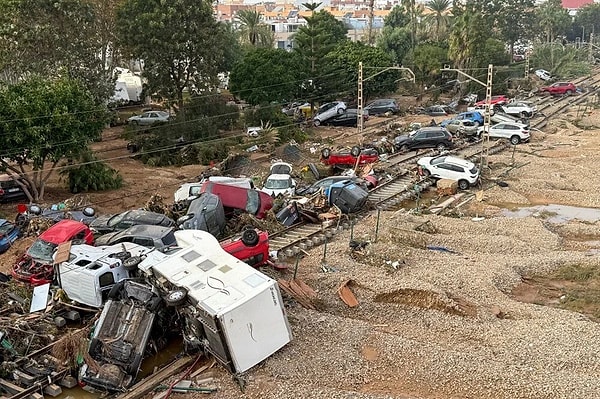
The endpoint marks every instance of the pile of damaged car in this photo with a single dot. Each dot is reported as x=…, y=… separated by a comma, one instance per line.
x=190, y=272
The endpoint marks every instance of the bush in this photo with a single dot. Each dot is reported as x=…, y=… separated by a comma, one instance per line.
x=91, y=175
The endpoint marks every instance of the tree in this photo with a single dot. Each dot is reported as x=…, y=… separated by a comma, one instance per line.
x=425, y=61
x=514, y=21
x=395, y=37
x=552, y=19
x=180, y=42
x=343, y=64
x=414, y=12
x=54, y=38
x=253, y=30
x=41, y=123
x=267, y=74
x=321, y=34
x=588, y=18
x=439, y=17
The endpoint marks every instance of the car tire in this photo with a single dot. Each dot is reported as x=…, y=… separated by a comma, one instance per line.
x=340, y=111
x=355, y=151
x=176, y=297
x=325, y=153
x=404, y=148
x=250, y=237
x=121, y=255
x=463, y=185
x=441, y=147
x=525, y=115
x=426, y=172
x=314, y=170
x=131, y=264
x=514, y=140
x=568, y=92
x=317, y=122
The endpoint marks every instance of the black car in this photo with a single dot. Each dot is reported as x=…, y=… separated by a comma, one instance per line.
x=159, y=237
x=348, y=118
x=383, y=106
x=206, y=213
x=121, y=221
x=10, y=190
x=427, y=137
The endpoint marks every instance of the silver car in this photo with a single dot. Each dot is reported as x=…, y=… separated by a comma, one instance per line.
x=329, y=110
x=149, y=118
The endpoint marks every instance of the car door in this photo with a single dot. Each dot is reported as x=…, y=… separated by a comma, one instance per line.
x=449, y=171
x=419, y=140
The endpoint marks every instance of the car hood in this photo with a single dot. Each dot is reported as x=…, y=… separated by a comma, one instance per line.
x=401, y=139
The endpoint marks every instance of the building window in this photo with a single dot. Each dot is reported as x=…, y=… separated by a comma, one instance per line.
x=280, y=44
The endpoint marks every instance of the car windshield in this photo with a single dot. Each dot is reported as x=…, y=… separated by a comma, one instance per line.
x=438, y=160
x=6, y=228
x=275, y=184
x=42, y=250
x=113, y=221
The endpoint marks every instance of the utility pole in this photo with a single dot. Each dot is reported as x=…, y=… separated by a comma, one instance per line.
x=526, y=64
x=591, y=49
x=359, y=100
x=487, y=113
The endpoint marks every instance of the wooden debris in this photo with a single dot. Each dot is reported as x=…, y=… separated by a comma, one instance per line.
x=346, y=294
x=149, y=383
x=300, y=291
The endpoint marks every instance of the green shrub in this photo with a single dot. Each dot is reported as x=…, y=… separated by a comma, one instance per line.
x=91, y=175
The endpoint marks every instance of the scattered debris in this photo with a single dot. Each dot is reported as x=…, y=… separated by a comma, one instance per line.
x=346, y=294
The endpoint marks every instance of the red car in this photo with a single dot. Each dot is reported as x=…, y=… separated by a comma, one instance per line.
x=36, y=265
x=500, y=99
x=249, y=200
x=559, y=88
x=252, y=246
x=349, y=158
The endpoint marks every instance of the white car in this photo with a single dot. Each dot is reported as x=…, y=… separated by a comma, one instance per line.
x=329, y=110
x=280, y=181
x=449, y=167
x=543, y=74
x=254, y=131
x=149, y=118
x=519, y=108
x=513, y=131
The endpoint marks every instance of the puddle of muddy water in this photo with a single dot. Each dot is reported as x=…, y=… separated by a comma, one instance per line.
x=555, y=213
x=164, y=356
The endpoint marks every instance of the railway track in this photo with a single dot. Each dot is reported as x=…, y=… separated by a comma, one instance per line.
x=402, y=186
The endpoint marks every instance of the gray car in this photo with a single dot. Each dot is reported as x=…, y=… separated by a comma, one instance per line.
x=384, y=106
x=149, y=118
x=149, y=236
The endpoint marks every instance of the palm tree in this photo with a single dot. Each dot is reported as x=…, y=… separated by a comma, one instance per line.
x=253, y=30
x=440, y=17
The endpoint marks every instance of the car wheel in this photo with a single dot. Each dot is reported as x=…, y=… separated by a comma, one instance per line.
x=441, y=147
x=250, y=237
x=317, y=122
x=404, y=148
x=514, y=140
x=134, y=366
x=340, y=111
x=524, y=114
x=463, y=184
x=131, y=264
x=569, y=92
x=121, y=255
x=176, y=297
x=325, y=153
x=355, y=151
x=426, y=172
